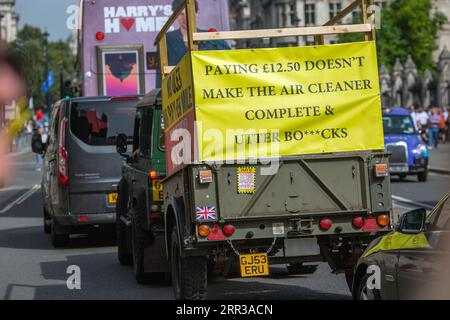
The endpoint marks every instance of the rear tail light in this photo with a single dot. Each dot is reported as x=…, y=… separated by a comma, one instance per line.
x=63, y=176
x=383, y=220
x=228, y=229
x=358, y=222
x=83, y=218
x=153, y=175
x=154, y=215
x=203, y=230
x=381, y=170
x=325, y=223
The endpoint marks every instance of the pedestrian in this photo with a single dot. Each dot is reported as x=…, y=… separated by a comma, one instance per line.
x=412, y=111
x=442, y=125
x=433, y=128
x=37, y=147
x=422, y=121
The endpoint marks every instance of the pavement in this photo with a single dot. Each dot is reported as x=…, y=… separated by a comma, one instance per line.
x=440, y=159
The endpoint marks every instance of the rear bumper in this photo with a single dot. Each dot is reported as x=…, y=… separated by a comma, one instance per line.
x=86, y=219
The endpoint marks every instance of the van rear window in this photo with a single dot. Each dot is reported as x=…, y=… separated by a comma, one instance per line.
x=98, y=123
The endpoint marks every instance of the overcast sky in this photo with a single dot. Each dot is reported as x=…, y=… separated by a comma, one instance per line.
x=45, y=13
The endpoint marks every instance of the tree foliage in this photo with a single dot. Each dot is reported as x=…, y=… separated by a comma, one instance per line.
x=30, y=46
x=407, y=27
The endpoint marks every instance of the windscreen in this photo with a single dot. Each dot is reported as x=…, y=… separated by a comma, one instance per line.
x=97, y=123
x=398, y=125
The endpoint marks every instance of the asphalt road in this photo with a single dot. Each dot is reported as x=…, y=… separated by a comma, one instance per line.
x=30, y=268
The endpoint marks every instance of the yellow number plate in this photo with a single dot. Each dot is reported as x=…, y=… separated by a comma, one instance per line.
x=112, y=198
x=254, y=265
x=158, y=192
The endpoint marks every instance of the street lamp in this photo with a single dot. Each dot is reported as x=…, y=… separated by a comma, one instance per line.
x=47, y=94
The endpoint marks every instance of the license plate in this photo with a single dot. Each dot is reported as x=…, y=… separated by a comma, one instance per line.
x=399, y=169
x=254, y=265
x=112, y=198
x=158, y=191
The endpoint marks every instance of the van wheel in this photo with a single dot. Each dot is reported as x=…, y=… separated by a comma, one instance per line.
x=365, y=293
x=189, y=274
x=47, y=222
x=124, y=257
x=138, y=243
x=58, y=239
x=423, y=176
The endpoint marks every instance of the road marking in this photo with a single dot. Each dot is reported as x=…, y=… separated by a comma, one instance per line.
x=412, y=202
x=21, y=199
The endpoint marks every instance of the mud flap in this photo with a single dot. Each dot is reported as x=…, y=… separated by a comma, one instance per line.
x=155, y=259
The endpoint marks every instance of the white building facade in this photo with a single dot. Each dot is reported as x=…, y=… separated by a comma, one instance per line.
x=9, y=20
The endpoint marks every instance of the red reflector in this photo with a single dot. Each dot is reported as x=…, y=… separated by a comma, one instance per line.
x=371, y=224
x=83, y=218
x=228, y=229
x=358, y=222
x=129, y=98
x=216, y=233
x=212, y=30
x=326, y=223
x=154, y=215
x=100, y=36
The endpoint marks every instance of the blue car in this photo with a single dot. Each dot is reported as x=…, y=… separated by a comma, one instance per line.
x=402, y=138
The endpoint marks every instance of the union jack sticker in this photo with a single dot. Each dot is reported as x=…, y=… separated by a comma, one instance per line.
x=206, y=213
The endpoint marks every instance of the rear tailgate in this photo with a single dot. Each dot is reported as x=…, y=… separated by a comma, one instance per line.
x=315, y=185
x=94, y=166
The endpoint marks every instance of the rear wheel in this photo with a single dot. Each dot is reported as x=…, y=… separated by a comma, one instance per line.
x=124, y=257
x=59, y=239
x=189, y=274
x=423, y=176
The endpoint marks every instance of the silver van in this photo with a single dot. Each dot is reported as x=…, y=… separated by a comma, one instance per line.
x=81, y=167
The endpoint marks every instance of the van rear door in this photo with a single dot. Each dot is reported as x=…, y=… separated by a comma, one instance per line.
x=94, y=167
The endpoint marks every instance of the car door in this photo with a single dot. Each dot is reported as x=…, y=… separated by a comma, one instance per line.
x=142, y=160
x=424, y=258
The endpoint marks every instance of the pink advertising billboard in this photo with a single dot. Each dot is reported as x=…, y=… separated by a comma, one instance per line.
x=116, y=38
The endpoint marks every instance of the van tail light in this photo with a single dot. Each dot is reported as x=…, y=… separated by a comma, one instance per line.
x=63, y=176
x=325, y=223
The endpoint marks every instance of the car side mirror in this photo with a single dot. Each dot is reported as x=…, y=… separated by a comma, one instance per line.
x=121, y=143
x=412, y=222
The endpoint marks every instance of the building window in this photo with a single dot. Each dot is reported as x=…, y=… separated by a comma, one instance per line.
x=310, y=14
x=293, y=14
x=335, y=8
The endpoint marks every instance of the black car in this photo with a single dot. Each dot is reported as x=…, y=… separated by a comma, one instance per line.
x=411, y=262
x=81, y=167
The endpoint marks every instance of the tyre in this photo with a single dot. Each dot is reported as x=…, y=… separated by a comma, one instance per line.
x=402, y=176
x=124, y=257
x=59, y=240
x=423, y=176
x=365, y=293
x=47, y=221
x=189, y=274
x=139, y=240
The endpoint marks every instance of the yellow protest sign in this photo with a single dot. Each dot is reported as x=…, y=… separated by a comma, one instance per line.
x=177, y=92
x=287, y=101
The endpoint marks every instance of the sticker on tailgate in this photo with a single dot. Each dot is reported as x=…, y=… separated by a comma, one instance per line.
x=246, y=180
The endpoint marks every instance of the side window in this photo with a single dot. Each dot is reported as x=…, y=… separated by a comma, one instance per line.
x=53, y=130
x=137, y=122
x=146, y=133
x=441, y=219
